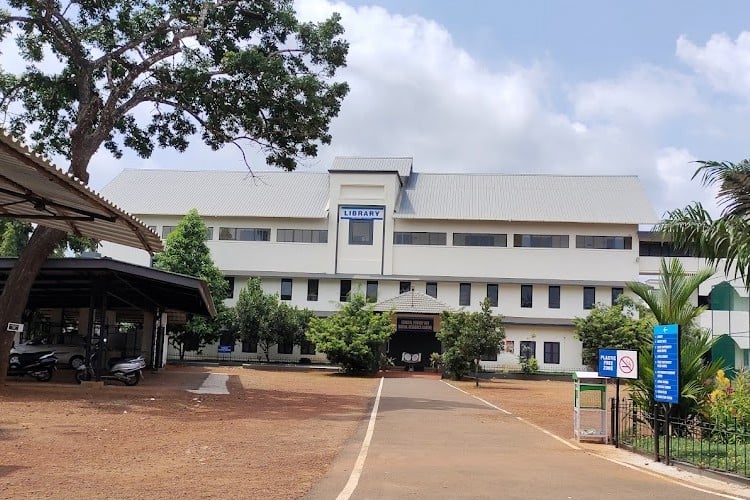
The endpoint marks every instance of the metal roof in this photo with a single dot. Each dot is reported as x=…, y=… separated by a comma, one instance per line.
x=527, y=198
x=34, y=190
x=413, y=302
x=221, y=193
x=373, y=164
x=70, y=282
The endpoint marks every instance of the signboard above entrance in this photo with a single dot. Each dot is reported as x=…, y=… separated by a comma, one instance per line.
x=362, y=213
x=412, y=324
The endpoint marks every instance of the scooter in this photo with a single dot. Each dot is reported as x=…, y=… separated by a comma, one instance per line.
x=39, y=365
x=125, y=370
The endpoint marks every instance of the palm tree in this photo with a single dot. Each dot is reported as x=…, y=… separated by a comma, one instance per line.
x=727, y=237
x=671, y=303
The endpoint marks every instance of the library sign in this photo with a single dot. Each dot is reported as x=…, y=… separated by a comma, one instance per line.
x=412, y=324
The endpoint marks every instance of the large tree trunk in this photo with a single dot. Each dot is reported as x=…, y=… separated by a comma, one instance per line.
x=15, y=294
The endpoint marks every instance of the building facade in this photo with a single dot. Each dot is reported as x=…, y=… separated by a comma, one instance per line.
x=542, y=248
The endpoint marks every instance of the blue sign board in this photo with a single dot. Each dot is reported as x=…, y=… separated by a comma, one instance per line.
x=666, y=364
x=608, y=363
x=225, y=349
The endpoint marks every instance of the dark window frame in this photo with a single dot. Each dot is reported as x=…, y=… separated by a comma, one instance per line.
x=302, y=236
x=290, y=283
x=244, y=233
x=250, y=344
x=230, y=286
x=524, y=240
x=285, y=346
x=493, y=294
x=464, y=294
x=402, y=288
x=552, y=353
x=553, y=299
x=431, y=284
x=307, y=347
x=616, y=292
x=371, y=291
x=604, y=242
x=313, y=291
x=527, y=296
x=527, y=349
x=345, y=290
x=589, y=297
x=419, y=238
x=370, y=224
x=480, y=240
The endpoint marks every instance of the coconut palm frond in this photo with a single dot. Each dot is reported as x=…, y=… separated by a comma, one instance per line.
x=733, y=181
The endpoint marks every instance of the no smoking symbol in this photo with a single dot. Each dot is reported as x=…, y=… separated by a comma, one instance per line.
x=626, y=364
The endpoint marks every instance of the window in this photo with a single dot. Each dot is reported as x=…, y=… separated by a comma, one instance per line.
x=418, y=238
x=605, y=242
x=510, y=346
x=360, y=232
x=616, y=292
x=209, y=233
x=492, y=289
x=344, y=290
x=306, y=347
x=404, y=286
x=312, y=290
x=302, y=235
x=230, y=286
x=285, y=346
x=488, y=356
x=589, y=297
x=245, y=233
x=659, y=249
x=527, y=295
x=554, y=297
x=552, y=353
x=431, y=289
x=286, y=289
x=165, y=230
x=527, y=349
x=464, y=294
x=541, y=240
x=250, y=344
x=372, y=291
x=480, y=240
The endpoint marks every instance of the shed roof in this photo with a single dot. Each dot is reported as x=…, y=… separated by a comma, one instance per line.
x=412, y=302
x=70, y=282
x=221, y=193
x=34, y=190
x=527, y=198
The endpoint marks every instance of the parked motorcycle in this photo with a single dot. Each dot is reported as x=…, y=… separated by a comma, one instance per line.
x=39, y=365
x=125, y=370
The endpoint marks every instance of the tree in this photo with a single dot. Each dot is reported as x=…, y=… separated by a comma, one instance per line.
x=14, y=236
x=230, y=71
x=186, y=252
x=624, y=325
x=353, y=336
x=671, y=303
x=467, y=337
x=256, y=312
x=726, y=238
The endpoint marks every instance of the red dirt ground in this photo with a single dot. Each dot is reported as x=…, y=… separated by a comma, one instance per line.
x=274, y=436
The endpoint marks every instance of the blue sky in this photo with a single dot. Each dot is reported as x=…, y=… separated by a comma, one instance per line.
x=560, y=87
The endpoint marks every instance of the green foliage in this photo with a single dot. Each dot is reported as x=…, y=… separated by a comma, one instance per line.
x=725, y=239
x=529, y=364
x=625, y=325
x=386, y=362
x=467, y=336
x=186, y=252
x=353, y=336
x=264, y=318
x=671, y=303
x=436, y=360
x=251, y=72
x=728, y=406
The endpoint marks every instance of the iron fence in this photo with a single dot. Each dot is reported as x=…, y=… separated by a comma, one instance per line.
x=721, y=445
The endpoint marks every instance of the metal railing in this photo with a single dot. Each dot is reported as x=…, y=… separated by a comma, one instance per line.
x=721, y=445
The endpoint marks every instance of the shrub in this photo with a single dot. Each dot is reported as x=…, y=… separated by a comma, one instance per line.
x=529, y=364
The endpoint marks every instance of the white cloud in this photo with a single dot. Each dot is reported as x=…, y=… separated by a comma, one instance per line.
x=675, y=168
x=723, y=62
x=646, y=95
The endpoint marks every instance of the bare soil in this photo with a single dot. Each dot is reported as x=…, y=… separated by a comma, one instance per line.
x=273, y=436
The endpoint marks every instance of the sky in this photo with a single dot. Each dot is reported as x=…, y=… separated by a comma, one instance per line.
x=581, y=87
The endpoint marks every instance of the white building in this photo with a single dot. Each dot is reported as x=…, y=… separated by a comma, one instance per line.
x=543, y=248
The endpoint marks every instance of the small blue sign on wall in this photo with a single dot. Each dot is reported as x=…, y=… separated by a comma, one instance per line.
x=667, y=364
x=225, y=349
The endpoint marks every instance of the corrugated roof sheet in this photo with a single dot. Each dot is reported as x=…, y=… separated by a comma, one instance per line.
x=221, y=193
x=365, y=164
x=34, y=190
x=532, y=198
x=413, y=302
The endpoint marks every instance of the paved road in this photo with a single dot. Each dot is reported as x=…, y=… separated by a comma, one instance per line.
x=432, y=441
